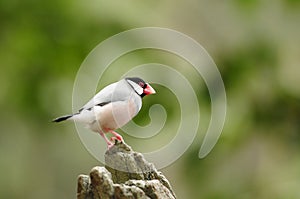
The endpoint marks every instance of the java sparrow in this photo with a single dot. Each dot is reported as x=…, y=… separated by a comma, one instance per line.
x=112, y=107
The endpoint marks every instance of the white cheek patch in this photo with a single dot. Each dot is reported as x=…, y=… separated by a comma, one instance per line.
x=136, y=87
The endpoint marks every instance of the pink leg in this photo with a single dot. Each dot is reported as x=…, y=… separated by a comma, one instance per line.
x=117, y=136
x=109, y=144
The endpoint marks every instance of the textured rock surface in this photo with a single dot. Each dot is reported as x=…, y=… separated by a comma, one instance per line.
x=127, y=176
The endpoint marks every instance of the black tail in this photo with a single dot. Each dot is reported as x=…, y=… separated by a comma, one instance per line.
x=62, y=118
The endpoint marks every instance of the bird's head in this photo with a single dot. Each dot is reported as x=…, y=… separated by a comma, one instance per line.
x=140, y=86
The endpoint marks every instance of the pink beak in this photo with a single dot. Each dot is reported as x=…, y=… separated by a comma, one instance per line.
x=149, y=90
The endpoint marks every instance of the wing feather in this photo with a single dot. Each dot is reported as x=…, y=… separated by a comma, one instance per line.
x=118, y=91
x=102, y=97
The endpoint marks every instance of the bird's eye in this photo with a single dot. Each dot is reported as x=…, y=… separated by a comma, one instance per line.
x=141, y=84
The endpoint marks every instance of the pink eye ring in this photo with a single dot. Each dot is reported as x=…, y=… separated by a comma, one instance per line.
x=141, y=84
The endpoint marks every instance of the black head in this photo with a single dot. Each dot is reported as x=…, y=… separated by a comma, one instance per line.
x=138, y=81
x=140, y=86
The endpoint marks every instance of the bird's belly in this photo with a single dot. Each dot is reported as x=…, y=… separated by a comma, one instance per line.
x=114, y=115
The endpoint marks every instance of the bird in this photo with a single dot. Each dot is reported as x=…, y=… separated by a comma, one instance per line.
x=112, y=107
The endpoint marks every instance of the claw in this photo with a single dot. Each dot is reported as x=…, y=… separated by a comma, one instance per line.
x=119, y=137
x=109, y=145
x=116, y=136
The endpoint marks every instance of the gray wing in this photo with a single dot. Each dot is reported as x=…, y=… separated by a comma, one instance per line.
x=118, y=91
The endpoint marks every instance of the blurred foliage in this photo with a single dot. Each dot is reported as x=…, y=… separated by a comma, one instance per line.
x=255, y=44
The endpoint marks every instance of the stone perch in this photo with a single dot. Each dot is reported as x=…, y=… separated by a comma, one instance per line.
x=127, y=175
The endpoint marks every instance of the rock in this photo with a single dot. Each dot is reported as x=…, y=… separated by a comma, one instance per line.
x=127, y=175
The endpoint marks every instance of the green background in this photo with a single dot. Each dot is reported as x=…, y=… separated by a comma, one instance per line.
x=255, y=44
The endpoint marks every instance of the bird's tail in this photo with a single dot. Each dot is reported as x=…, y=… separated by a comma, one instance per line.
x=62, y=118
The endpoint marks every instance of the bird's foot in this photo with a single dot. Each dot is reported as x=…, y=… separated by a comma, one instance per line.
x=116, y=137
x=109, y=145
